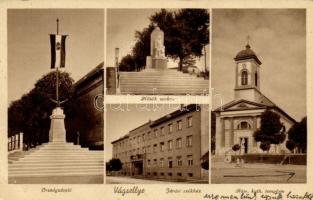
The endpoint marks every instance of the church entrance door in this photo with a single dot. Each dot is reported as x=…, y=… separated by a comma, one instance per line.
x=244, y=145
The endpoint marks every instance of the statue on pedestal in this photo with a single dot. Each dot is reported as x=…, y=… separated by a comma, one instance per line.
x=157, y=59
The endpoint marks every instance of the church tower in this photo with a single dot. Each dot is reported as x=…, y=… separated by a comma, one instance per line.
x=247, y=72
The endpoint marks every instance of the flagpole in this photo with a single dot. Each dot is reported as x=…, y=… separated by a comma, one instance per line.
x=57, y=73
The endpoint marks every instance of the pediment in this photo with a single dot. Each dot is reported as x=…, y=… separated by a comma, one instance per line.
x=242, y=105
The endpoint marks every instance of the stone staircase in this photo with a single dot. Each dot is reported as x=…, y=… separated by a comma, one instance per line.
x=162, y=82
x=56, y=159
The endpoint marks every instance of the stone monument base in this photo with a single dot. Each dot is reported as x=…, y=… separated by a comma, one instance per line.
x=148, y=62
x=57, y=131
x=159, y=63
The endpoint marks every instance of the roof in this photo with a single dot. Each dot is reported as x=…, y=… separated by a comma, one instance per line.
x=121, y=138
x=247, y=54
x=186, y=109
x=97, y=69
x=257, y=106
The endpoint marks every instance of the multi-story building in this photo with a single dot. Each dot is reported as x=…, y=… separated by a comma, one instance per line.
x=170, y=147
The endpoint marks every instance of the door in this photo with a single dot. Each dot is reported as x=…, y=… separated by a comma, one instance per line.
x=244, y=145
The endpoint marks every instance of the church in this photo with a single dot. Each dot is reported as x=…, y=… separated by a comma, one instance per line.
x=237, y=120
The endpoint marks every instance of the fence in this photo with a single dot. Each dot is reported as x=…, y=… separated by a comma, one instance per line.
x=15, y=142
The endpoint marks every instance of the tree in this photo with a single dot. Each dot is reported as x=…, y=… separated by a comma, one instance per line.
x=272, y=131
x=265, y=146
x=297, y=136
x=191, y=27
x=115, y=164
x=127, y=63
x=30, y=114
x=185, y=35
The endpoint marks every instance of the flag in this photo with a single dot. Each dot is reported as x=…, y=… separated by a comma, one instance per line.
x=57, y=50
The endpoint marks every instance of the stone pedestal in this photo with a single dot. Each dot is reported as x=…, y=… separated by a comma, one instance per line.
x=148, y=62
x=57, y=131
x=159, y=63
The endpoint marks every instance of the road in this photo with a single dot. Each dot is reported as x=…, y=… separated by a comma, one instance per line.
x=258, y=173
x=129, y=180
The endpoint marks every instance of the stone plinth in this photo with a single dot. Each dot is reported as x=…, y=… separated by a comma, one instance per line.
x=148, y=62
x=57, y=131
x=159, y=63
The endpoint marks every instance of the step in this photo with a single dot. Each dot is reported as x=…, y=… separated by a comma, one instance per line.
x=169, y=78
x=52, y=162
x=46, y=168
x=61, y=158
x=59, y=164
x=169, y=91
x=174, y=82
x=56, y=174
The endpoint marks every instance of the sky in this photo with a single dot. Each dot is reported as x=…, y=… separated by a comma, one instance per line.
x=277, y=36
x=120, y=119
x=29, y=44
x=121, y=27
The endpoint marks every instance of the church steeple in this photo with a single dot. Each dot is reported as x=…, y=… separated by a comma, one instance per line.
x=247, y=74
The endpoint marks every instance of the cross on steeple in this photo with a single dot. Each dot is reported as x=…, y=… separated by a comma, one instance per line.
x=248, y=39
x=57, y=26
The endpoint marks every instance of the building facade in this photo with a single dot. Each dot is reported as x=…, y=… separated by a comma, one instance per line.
x=170, y=147
x=237, y=120
x=85, y=126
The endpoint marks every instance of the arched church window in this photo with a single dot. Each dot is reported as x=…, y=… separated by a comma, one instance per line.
x=244, y=78
x=244, y=125
x=256, y=79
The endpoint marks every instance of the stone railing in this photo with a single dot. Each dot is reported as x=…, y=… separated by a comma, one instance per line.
x=15, y=143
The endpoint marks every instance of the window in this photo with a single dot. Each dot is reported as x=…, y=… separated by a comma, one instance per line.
x=155, y=132
x=190, y=174
x=148, y=149
x=179, y=161
x=155, y=162
x=178, y=143
x=179, y=125
x=244, y=125
x=170, y=144
x=170, y=164
x=148, y=163
x=162, y=146
x=190, y=160
x=189, y=120
x=161, y=162
x=256, y=79
x=244, y=77
x=155, y=173
x=155, y=148
x=162, y=173
x=148, y=135
x=179, y=174
x=170, y=128
x=162, y=130
x=189, y=141
x=143, y=137
x=169, y=174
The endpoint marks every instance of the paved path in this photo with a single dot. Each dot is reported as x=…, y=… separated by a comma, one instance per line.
x=257, y=173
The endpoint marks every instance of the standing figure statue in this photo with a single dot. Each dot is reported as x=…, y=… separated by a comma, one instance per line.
x=159, y=48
